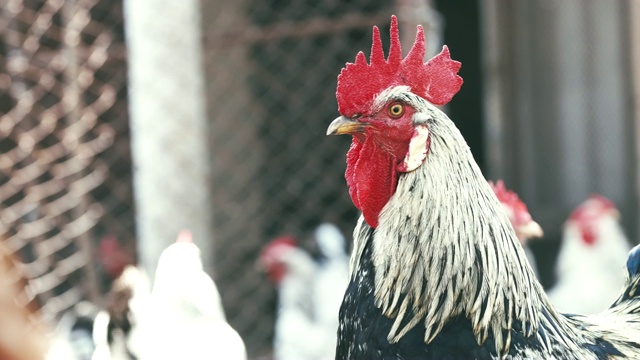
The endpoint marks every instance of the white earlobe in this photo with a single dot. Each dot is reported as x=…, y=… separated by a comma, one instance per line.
x=417, y=152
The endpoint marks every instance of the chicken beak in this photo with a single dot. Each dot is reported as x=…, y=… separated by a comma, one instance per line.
x=530, y=230
x=616, y=214
x=342, y=125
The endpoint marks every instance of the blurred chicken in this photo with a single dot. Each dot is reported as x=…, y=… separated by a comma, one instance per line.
x=185, y=318
x=129, y=290
x=309, y=294
x=520, y=218
x=332, y=276
x=292, y=270
x=589, y=266
x=113, y=257
x=73, y=335
x=115, y=325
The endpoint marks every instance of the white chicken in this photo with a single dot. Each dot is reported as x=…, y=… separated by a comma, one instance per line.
x=590, y=263
x=309, y=294
x=332, y=275
x=185, y=318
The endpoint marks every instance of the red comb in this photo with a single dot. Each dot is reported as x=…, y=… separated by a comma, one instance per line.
x=593, y=207
x=271, y=256
x=605, y=203
x=185, y=236
x=587, y=214
x=359, y=83
x=286, y=240
x=519, y=212
x=278, y=243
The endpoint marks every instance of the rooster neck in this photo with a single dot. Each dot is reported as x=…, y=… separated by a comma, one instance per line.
x=444, y=248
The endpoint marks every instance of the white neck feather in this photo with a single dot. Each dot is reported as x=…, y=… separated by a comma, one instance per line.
x=445, y=247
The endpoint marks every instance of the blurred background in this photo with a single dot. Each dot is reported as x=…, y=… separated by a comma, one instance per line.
x=133, y=120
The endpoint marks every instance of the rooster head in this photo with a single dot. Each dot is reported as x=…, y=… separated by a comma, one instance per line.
x=518, y=213
x=273, y=255
x=386, y=105
x=587, y=215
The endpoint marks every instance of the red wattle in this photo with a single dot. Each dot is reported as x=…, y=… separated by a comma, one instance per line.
x=371, y=177
x=350, y=173
x=588, y=235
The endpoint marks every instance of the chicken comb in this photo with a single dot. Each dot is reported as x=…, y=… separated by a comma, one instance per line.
x=587, y=213
x=359, y=83
x=594, y=206
x=185, y=236
x=519, y=214
x=277, y=244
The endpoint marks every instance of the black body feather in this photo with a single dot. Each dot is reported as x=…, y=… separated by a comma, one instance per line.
x=363, y=331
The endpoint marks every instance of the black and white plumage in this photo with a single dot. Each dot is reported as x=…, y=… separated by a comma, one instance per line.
x=441, y=273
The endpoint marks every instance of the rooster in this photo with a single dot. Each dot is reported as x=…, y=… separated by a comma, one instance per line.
x=437, y=271
x=520, y=218
x=589, y=265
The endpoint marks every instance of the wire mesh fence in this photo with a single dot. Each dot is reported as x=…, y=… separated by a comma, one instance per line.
x=275, y=171
x=66, y=171
x=65, y=175
x=268, y=75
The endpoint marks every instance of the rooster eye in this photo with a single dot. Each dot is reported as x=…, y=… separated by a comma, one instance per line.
x=396, y=110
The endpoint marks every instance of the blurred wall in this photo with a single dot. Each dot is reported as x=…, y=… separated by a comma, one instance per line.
x=559, y=111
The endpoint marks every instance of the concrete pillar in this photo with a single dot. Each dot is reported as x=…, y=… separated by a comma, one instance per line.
x=169, y=127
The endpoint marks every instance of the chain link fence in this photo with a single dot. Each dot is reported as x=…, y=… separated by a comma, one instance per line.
x=264, y=73
x=66, y=171
x=275, y=171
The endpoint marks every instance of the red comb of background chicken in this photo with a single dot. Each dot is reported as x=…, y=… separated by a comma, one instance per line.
x=594, y=206
x=520, y=214
x=358, y=83
x=185, y=236
x=278, y=243
x=587, y=214
x=270, y=256
x=113, y=256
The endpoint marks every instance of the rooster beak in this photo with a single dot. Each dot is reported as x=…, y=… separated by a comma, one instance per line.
x=342, y=125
